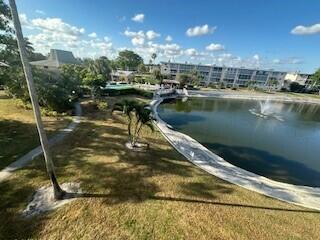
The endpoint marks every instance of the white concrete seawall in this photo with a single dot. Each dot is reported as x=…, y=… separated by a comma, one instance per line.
x=205, y=159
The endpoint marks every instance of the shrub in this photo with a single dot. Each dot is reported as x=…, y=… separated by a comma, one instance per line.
x=212, y=85
x=296, y=87
x=102, y=105
x=129, y=91
x=54, y=93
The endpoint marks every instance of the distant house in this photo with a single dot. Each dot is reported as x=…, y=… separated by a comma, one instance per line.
x=171, y=83
x=122, y=76
x=55, y=60
x=302, y=79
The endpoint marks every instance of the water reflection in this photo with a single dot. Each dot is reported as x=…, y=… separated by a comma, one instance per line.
x=283, y=150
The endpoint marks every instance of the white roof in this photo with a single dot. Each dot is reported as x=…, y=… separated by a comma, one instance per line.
x=122, y=73
x=170, y=81
x=57, y=58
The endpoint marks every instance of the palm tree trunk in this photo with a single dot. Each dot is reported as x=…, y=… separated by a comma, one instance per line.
x=58, y=192
x=138, y=133
x=133, y=142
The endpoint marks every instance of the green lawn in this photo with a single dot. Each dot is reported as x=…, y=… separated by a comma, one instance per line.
x=292, y=94
x=152, y=195
x=18, y=133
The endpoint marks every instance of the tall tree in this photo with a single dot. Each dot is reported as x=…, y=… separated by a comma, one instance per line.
x=142, y=68
x=153, y=57
x=128, y=60
x=58, y=192
x=96, y=73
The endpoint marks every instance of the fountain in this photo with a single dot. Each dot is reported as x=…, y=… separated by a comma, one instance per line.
x=185, y=92
x=266, y=111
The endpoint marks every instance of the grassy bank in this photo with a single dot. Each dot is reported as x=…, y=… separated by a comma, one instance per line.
x=152, y=195
x=18, y=133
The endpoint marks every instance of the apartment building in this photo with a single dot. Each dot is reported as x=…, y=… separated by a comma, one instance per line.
x=231, y=76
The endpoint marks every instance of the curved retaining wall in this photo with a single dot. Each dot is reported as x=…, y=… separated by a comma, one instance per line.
x=205, y=159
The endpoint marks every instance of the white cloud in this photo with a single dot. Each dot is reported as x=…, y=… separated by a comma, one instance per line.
x=200, y=30
x=167, y=51
x=57, y=25
x=55, y=33
x=256, y=57
x=191, y=52
x=24, y=20
x=92, y=35
x=139, y=38
x=137, y=41
x=168, y=38
x=128, y=33
x=295, y=61
x=152, y=35
x=138, y=18
x=215, y=47
x=276, y=61
x=306, y=30
x=40, y=12
x=287, y=61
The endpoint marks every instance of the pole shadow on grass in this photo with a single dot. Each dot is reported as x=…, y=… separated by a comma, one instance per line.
x=186, y=200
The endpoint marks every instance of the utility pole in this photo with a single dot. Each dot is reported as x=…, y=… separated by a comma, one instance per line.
x=58, y=192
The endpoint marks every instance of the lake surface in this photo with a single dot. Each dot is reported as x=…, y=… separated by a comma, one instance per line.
x=277, y=140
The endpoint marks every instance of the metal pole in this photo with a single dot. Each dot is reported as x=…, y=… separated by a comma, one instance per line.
x=58, y=192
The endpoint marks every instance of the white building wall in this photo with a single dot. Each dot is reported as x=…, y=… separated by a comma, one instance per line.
x=262, y=78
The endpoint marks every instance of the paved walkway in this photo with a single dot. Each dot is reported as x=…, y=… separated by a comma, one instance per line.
x=202, y=157
x=24, y=160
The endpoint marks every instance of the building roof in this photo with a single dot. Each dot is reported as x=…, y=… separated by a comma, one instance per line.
x=119, y=73
x=169, y=81
x=57, y=58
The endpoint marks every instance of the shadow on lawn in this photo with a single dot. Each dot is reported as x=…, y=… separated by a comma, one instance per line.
x=14, y=196
x=12, y=133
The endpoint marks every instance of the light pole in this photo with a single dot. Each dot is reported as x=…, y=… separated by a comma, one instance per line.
x=58, y=192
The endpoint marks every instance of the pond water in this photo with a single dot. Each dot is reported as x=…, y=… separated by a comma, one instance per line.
x=277, y=140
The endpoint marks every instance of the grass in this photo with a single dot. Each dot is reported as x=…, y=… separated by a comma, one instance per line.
x=152, y=195
x=306, y=95
x=18, y=130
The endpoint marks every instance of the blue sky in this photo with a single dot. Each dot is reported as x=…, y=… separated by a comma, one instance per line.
x=283, y=35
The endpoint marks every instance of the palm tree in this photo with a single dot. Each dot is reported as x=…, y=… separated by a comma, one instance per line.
x=142, y=114
x=127, y=107
x=272, y=83
x=144, y=118
x=153, y=57
x=250, y=84
x=58, y=192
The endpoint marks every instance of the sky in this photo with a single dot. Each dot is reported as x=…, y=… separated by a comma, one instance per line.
x=266, y=34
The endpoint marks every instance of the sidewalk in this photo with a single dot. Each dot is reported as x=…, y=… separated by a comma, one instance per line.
x=25, y=159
